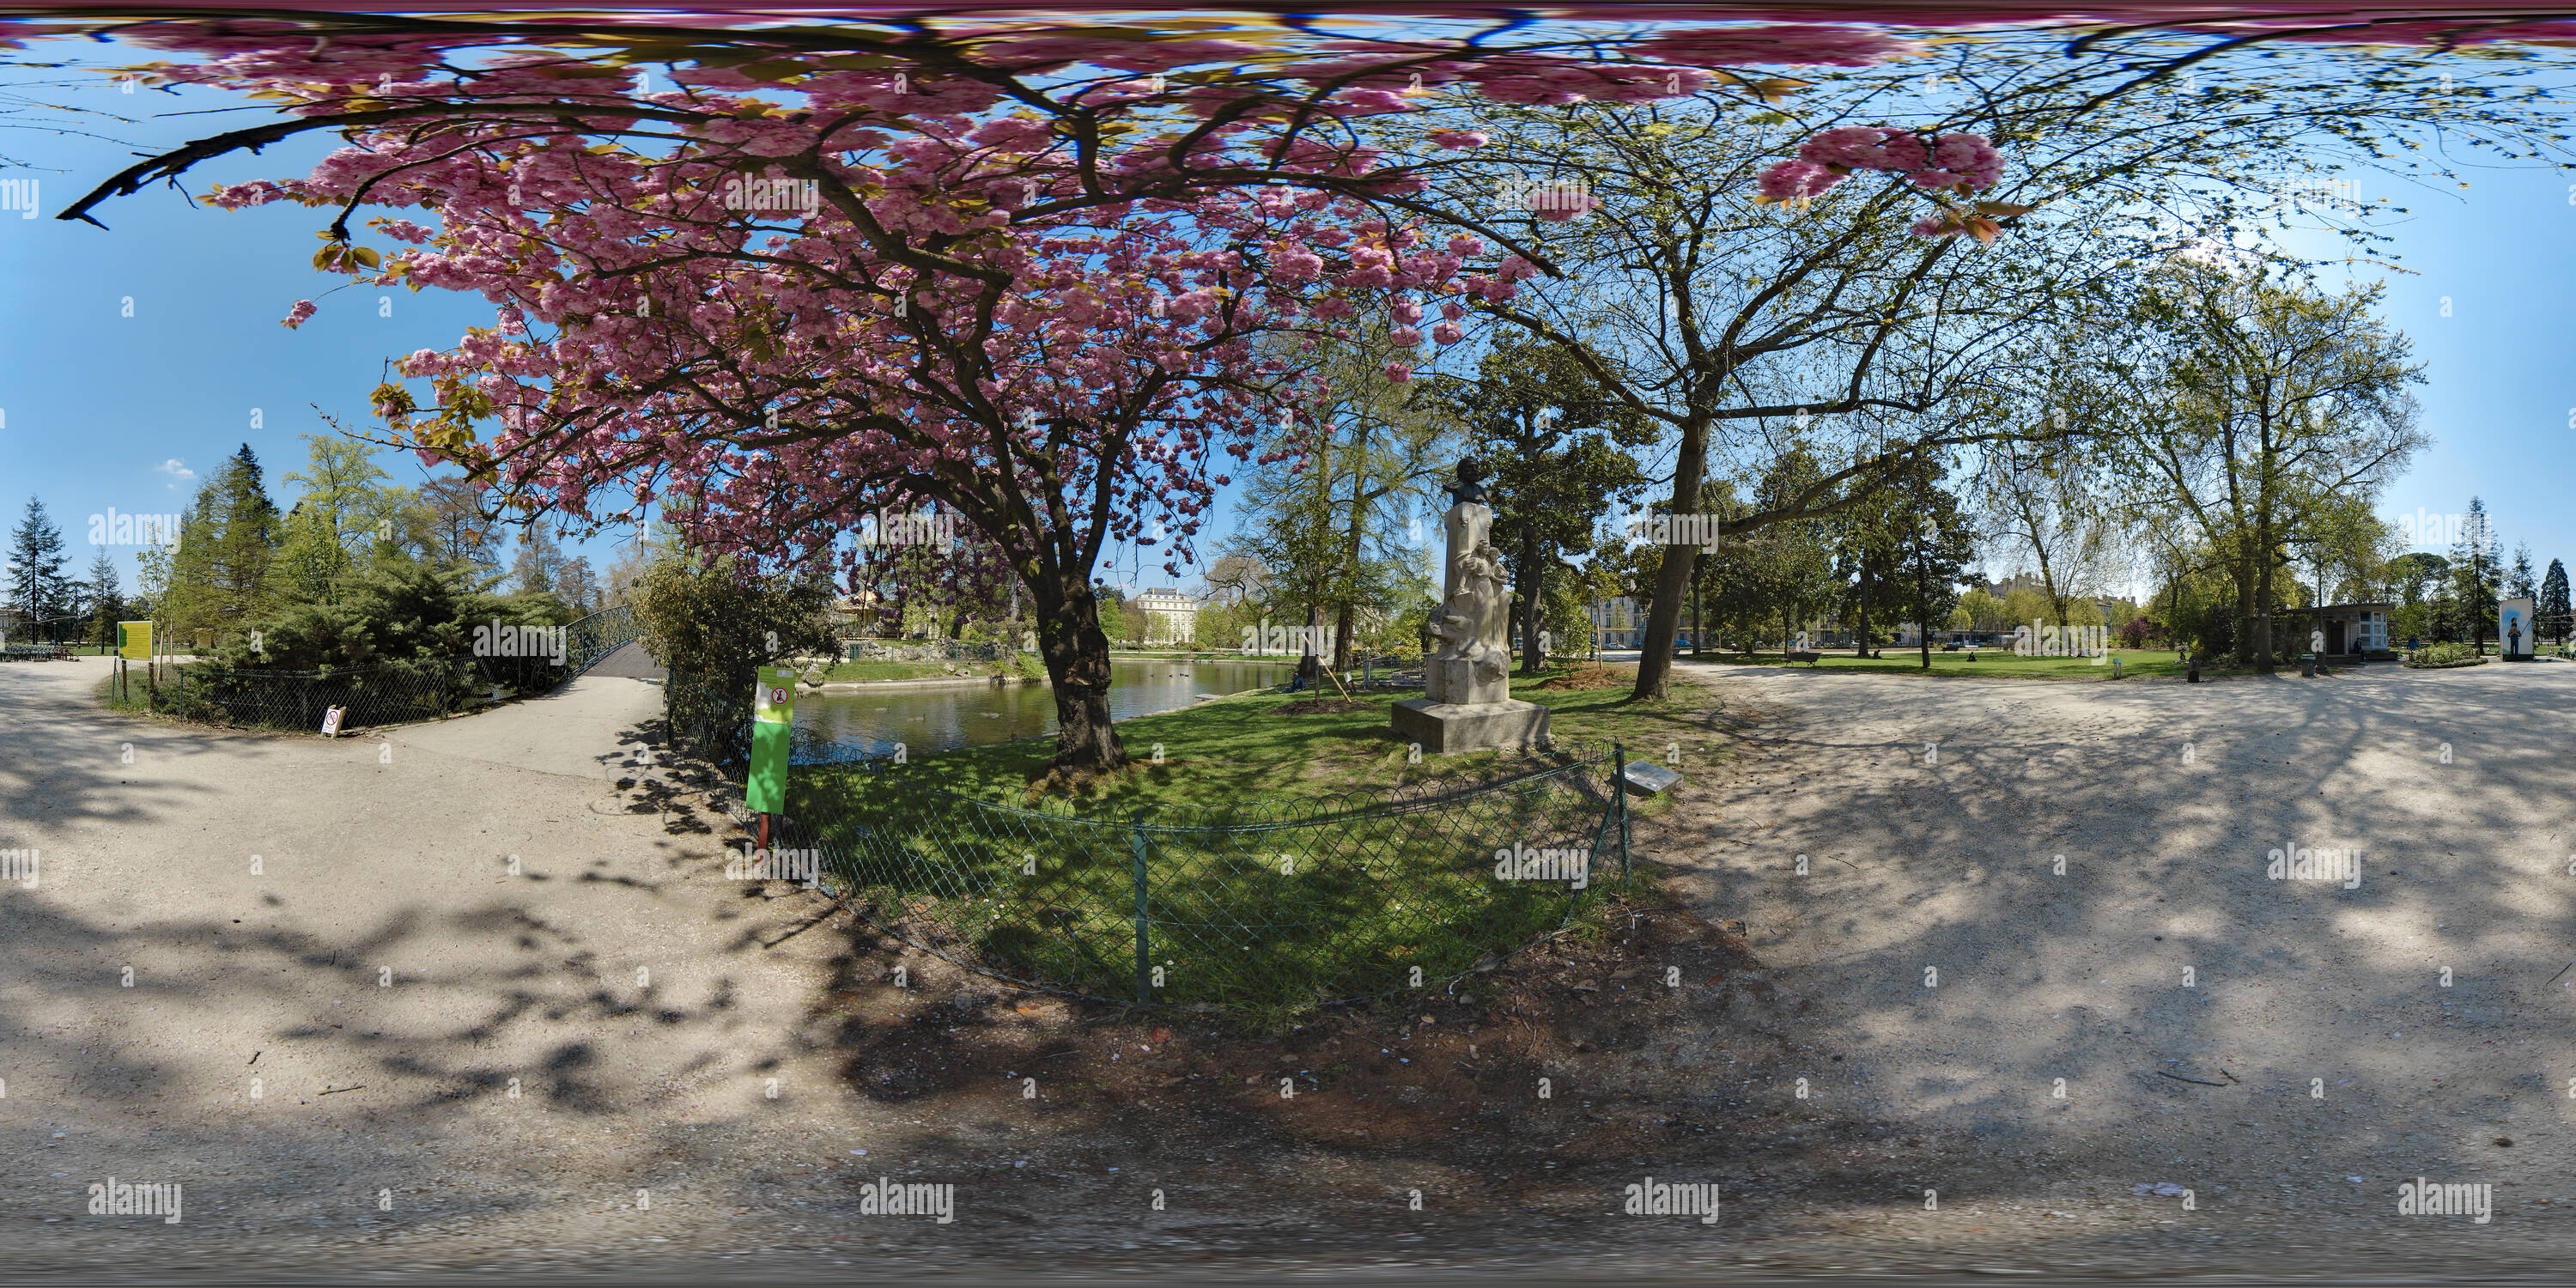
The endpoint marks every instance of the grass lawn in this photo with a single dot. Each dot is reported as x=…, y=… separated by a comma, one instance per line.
x=1250, y=905
x=2133, y=662
x=864, y=672
x=1240, y=750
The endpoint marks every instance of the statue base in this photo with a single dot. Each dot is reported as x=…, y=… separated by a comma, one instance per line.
x=1450, y=727
x=1451, y=681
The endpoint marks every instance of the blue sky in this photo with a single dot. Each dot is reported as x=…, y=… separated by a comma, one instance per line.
x=99, y=409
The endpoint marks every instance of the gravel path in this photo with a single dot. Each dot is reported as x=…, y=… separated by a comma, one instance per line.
x=385, y=977
x=2415, y=1022
x=347, y=1013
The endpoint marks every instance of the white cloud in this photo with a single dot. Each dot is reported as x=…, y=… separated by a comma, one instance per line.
x=177, y=470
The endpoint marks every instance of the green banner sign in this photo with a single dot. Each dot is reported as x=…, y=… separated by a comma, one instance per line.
x=773, y=714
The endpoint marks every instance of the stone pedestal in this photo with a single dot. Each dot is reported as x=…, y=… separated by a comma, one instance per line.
x=1452, y=681
x=1446, y=727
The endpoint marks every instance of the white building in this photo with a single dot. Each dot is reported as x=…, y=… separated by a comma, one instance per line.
x=1170, y=616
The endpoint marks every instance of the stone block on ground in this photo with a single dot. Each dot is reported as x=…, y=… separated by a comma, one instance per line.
x=1452, y=727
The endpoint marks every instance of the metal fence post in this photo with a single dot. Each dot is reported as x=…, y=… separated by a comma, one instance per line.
x=1144, y=947
x=1619, y=800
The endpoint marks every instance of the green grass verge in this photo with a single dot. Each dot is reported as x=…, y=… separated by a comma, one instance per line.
x=1239, y=749
x=136, y=700
x=1250, y=903
x=870, y=671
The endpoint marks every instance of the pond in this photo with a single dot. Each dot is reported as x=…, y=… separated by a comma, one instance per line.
x=852, y=726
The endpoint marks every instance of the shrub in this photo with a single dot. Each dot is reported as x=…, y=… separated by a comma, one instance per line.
x=714, y=623
x=2448, y=654
x=399, y=611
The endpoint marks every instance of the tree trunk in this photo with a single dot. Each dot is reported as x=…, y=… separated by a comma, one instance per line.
x=1860, y=613
x=1533, y=606
x=1346, y=613
x=2244, y=649
x=1310, y=661
x=1673, y=573
x=1663, y=622
x=2263, y=614
x=1076, y=652
x=1923, y=609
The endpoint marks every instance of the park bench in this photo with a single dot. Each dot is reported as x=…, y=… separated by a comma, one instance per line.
x=1809, y=658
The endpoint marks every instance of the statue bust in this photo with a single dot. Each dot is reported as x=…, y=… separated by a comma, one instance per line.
x=1470, y=487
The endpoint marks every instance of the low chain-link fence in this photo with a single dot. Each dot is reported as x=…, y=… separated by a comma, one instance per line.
x=213, y=692
x=397, y=693
x=1265, y=907
x=711, y=718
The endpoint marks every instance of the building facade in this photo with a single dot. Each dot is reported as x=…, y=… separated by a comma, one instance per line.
x=1170, y=616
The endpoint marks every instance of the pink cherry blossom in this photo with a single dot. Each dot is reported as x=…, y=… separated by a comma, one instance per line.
x=1795, y=180
x=1802, y=45
x=1970, y=155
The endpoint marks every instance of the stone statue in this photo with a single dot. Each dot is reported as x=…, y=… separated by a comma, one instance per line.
x=1472, y=665
x=1470, y=487
x=1466, y=681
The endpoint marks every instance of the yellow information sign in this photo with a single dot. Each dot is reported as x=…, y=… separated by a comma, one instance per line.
x=134, y=641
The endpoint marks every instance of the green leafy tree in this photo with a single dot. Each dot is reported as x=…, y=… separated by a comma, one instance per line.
x=218, y=578
x=2254, y=405
x=2519, y=581
x=539, y=562
x=2477, y=575
x=1325, y=515
x=460, y=530
x=1867, y=540
x=333, y=528
x=2413, y=574
x=1932, y=552
x=1557, y=450
x=1790, y=562
x=103, y=596
x=2553, y=611
x=715, y=623
x=393, y=611
x=1985, y=610
x=37, y=587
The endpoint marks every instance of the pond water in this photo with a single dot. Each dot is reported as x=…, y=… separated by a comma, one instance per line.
x=867, y=724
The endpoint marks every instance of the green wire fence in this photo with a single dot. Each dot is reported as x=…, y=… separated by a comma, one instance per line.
x=1267, y=906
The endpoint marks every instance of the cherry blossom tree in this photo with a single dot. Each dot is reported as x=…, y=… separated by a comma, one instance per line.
x=785, y=275
x=931, y=282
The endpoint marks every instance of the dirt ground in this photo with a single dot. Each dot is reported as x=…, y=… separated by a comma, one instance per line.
x=1669, y=1040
